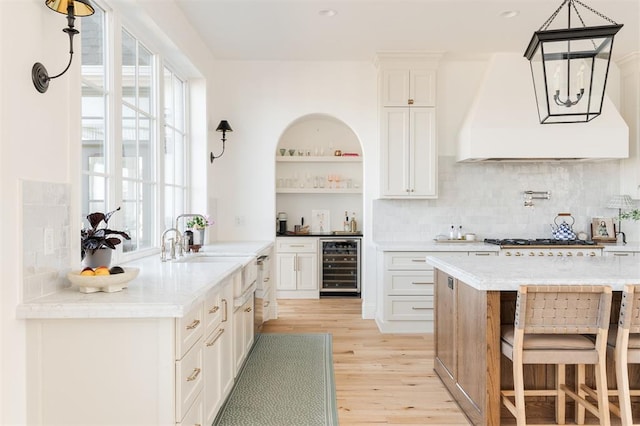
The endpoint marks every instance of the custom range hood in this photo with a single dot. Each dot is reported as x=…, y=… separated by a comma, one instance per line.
x=502, y=124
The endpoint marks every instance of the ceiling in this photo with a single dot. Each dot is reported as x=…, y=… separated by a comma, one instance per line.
x=295, y=29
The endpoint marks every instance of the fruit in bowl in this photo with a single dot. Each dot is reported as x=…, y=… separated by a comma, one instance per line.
x=102, y=270
x=87, y=272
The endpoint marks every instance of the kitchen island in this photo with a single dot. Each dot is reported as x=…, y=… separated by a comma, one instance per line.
x=474, y=296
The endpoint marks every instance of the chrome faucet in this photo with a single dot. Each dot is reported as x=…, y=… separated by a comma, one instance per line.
x=174, y=241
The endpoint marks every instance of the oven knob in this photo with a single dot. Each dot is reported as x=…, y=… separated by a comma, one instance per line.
x=541, y=253
x=592, y=254
x=579, y=253
x=531, y=253
x=569, y=254
x=550, y=254
x=508, y=253
x=518, y=253
x=559, y=254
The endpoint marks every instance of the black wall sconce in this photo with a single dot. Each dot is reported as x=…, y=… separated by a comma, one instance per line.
x=570, y=66
x=223, y=127
x=71, y=8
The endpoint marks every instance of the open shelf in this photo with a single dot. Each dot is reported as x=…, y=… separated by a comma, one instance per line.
x=318, y=159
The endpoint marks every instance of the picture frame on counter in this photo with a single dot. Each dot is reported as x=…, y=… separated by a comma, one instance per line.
x=603, y=229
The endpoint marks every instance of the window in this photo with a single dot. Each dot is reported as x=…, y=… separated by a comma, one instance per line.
x=175, y=149
x=132, y=163
x=96, y=176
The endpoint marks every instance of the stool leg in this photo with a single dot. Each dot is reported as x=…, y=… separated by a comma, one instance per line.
x=518, y=387
x=603, y=394
x=580, y=379
x=560, y=395
x=622, y=378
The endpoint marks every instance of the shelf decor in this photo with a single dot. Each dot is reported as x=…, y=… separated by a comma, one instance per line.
x=570, y=66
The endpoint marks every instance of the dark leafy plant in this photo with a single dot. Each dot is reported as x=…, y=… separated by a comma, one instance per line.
x=95, y=238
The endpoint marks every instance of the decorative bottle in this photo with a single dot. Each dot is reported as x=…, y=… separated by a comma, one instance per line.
x=460, y=232
x=353, y=224
x=345, y=225
x=452, y=233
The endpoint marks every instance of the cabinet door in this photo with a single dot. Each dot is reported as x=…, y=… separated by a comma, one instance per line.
x=226, y=344
x=247, y=333
x=307, y=266
x=212, y=354
x=395, y=151
x=238, y=339
x=422, y=88
x=287, y=275
x=395, y=87
x=445, y=288
x=423, y=155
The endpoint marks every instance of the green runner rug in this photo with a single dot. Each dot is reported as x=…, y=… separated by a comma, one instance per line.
x=287, y=380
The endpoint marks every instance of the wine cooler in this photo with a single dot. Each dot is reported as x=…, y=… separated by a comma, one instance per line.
x=340, y=267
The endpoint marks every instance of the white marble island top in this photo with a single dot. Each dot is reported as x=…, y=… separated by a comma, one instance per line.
x=162, y=289
x=497, y=273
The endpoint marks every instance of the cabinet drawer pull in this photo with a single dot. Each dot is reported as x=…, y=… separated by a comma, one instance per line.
x=482, y=254
x=194, y=375
x=214, y=309
x=248, y=309
x=296, y=245
x=450, y=282
x=216, y=337
x=193, y=325
x=419, y=283
x=266, y=280
x=266, y=304
x=420, y=309
x=224, y=317
x=419, y=260
x=621, y=254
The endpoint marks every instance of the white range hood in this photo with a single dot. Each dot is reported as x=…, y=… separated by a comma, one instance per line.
x=503, y=125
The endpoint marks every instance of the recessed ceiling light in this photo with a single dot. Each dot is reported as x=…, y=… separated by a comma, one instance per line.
x=327, y=12
x=509, y=14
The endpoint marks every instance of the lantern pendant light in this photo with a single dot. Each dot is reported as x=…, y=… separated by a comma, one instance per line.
x=570, y=66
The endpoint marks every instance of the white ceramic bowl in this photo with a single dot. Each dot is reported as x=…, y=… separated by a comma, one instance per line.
x=106, y=283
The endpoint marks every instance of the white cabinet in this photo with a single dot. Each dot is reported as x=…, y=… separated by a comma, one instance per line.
x=297, y=268
x=407, y=101
x=621, y=253
x=217, y=350
x=407, y=290
x=403, y=87
x=242, y=333
x=159, y=371
x=408, y=153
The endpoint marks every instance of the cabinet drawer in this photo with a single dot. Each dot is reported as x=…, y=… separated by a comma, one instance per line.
x=409, y=283
x=189, y=329
x=194, y=416
x=188, y=380
x=213, y=310
x=416, y=260
x=409, y=308
x=297, y=245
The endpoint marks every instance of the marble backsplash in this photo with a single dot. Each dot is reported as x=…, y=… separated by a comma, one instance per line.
x=45, y=237
x=488, y=199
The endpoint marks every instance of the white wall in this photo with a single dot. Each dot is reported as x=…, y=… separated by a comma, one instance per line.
x=260, y=99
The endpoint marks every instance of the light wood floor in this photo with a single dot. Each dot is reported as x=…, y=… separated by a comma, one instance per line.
x=380, y=378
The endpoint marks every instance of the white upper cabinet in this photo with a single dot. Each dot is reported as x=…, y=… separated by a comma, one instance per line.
x=408, y=87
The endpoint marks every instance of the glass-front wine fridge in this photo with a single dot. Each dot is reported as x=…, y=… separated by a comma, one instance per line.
x=340, y=267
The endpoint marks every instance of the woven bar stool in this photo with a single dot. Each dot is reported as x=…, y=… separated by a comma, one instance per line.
x=548, y=329
x=624, y=343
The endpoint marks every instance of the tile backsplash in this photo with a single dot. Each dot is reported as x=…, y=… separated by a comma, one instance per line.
x=45, y=237
x=488, y=200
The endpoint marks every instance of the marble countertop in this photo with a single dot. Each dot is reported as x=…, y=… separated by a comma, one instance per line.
x=435, y=246
x=508, y=273
x=162, y=289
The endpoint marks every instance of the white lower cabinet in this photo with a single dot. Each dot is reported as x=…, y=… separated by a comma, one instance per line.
x=297, y=268
x=160, y=371
x=407, y=290
x=243, y=333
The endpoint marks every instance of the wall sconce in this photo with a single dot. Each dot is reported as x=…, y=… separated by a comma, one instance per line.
x=569, y=67
x=71, y=8
x=223, y=127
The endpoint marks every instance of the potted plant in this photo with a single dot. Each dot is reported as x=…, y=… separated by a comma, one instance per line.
x=95, y=241
x=199, y=223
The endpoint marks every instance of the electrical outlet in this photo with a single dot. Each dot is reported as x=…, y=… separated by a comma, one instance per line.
x=48, y=241
x=239, y=220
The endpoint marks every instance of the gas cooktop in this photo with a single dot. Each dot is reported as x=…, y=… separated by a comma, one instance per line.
x=538, y=242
